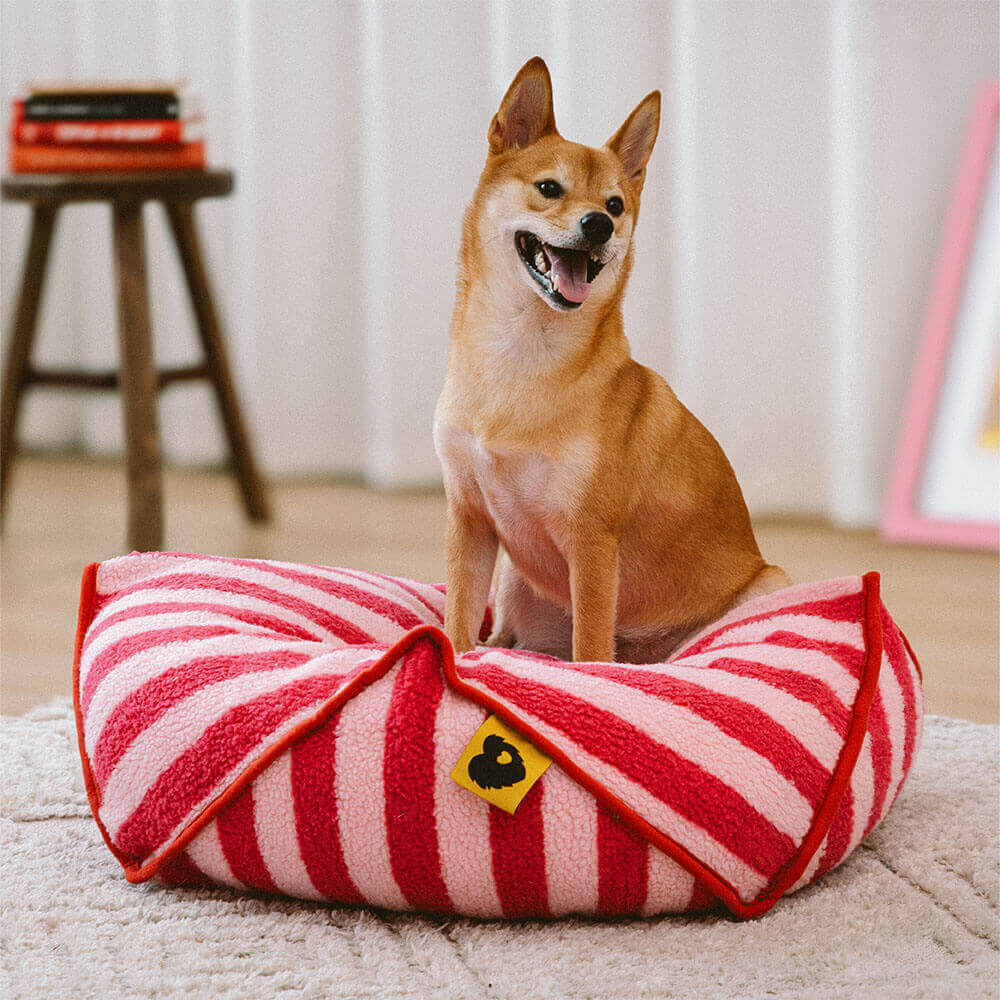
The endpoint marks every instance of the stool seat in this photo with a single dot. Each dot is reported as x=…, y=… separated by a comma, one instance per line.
x=137, y=377
x=139, y=185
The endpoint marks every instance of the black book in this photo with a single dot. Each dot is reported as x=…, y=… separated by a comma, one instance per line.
x=105, y=106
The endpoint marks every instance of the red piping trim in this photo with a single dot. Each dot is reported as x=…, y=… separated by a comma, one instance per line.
x=722, y=889
x=88, y=598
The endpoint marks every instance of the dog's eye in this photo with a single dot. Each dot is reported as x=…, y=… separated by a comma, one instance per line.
x=549, y=189
x=615, y=205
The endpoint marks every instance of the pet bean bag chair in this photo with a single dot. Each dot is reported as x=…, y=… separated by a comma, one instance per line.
x=295, y=729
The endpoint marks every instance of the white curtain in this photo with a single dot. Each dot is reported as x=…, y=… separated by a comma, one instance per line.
x=789, y=232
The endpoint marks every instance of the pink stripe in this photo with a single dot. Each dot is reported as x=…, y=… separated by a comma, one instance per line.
x=238, y=837
x=361, y=794
x=314, y=775
x=206, y=852
x=376, y=603
x=331, y=623
x=878, y=729
x=862, y=791
x=518, y=844
x=410, y=587
x=669, y=886
x=144, y=706
x=274, y=821
x=407, y=586
x=462, y=819
x=247, y=615
x=849, y=657
x=900, y=662
x=747, y=723
x=199, y=771
x=409, y=780
x=108, y=659
x=623, y=866
x=680, y=784
x=798, y=685
x=846, y=608
x=569, y=818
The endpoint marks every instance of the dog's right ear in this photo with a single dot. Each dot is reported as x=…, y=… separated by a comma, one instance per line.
x=525, y=113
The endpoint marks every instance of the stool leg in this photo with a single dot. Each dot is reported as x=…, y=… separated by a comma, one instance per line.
x=43, y=219
x=138, y=382
x=181, y=217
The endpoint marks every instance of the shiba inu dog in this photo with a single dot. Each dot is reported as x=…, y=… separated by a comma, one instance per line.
x=618, y=520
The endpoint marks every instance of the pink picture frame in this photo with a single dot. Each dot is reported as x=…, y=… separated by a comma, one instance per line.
x=903, y=520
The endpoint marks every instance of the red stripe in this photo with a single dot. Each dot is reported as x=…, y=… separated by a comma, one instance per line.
x=900, y=663
x=407, y=586
x=701, y=899
x=199, y=770
x=257, y=618
x=295, y=572
x=401, y=615
x=238, y=837
x=846, y=608
x=409, y=781
x=679, y=783
x=623, y=866
x=849, y=657
x=911, y=654
x=878, y=730
x=106, y=661
x=331, y=623
x=181, y=870
x=314, y=776
x=139, y=710
x=747, y=723
x=839, y=838
x=811, y=690
x=518, y=845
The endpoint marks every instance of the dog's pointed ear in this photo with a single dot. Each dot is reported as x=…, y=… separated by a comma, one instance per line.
x=525, y=113
x=634, y=141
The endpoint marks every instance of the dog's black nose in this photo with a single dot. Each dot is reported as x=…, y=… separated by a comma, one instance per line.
x=597, y=227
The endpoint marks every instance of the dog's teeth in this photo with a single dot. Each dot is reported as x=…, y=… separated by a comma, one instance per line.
x=540, y=260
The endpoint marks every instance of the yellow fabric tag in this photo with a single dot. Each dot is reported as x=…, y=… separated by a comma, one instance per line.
x=499, y=765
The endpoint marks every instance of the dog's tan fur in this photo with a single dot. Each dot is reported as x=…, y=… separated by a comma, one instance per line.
x=620, y=519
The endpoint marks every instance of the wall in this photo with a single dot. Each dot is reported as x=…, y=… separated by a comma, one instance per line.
x=789, y=231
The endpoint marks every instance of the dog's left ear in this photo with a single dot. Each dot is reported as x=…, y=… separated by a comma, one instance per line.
x=525, y=113
x=633, y=142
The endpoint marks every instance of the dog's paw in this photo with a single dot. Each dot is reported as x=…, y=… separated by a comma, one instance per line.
x=502, y=638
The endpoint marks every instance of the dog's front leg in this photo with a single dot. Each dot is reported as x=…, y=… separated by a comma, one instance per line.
x=470, y=552
x=593, y=582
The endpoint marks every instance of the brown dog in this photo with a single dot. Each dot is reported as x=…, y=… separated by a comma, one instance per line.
x=620, y=518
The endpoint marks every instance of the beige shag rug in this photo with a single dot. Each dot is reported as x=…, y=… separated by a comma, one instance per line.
x=913, y=913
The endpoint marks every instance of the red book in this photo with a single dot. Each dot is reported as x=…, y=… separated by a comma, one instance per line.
x=166, y=131
x=41, y=158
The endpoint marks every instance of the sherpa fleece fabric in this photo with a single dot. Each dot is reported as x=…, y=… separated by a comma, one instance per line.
x=292, y=729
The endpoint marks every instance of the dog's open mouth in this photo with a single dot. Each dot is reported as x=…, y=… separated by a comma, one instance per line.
x=565, y=275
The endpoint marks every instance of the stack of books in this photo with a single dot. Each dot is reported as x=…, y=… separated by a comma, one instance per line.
x=61, y=127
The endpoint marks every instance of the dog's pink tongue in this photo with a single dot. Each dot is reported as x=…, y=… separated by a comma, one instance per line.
x=569, y=273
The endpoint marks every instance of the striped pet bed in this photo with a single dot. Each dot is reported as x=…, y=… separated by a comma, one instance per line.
x=293, y=729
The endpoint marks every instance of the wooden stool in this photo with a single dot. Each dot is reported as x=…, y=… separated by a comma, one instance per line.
x=137, y=378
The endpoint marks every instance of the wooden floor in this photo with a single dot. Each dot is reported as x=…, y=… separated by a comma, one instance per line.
x=65, y=513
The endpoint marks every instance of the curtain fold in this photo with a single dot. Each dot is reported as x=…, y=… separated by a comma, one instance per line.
x=789, y=229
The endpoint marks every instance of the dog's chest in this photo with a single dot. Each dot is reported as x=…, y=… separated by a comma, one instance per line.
x=529, y=496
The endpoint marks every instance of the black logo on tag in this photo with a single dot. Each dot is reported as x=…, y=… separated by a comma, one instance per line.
x=499, y=765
